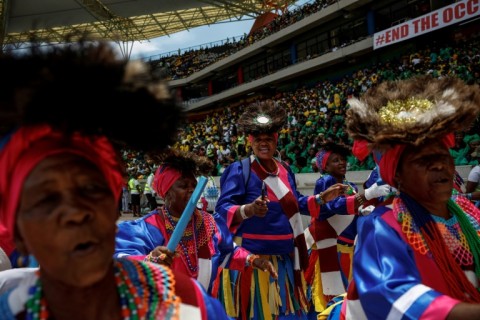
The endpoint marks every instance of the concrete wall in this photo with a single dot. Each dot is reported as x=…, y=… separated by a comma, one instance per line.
x=306, y=181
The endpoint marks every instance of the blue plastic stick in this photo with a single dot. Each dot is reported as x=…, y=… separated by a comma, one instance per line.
x=186, y=215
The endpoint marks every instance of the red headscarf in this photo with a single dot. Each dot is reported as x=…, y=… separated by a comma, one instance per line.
x=27, y=147
x=163, y=180
x=389, y=161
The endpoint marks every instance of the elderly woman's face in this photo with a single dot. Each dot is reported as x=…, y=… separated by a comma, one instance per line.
x=179, y=194
x=426, y=173
x=66, y=219
x=264, y=146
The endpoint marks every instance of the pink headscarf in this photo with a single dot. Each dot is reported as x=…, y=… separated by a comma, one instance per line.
x=163, y=180
x=27, y=147
x=390, y=158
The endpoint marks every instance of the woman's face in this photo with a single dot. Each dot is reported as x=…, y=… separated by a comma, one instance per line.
x=336, y=165
x=426, y=173
x=179, y=194
x=66, y=219
x=264, y=146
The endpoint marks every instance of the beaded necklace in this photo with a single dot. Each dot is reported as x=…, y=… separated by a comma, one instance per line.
x=198, y=232
x=450, y=229
x=268, y=172
x=146, y=291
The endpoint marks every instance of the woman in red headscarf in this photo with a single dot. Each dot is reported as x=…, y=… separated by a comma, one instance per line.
x=60, y=182
x=206, y=243
x=419, y=257
x=332, y=233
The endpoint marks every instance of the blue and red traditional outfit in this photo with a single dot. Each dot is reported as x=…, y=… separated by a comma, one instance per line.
x=278, y=236
x=330, y=236
x=415, y=288
x=205, y=245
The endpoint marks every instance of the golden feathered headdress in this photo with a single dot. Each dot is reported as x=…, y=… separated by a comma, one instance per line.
x=412, y=111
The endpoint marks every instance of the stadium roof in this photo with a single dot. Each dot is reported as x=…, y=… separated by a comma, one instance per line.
x=118, y=20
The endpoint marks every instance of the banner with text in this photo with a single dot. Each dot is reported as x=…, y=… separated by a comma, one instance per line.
x=434, y=20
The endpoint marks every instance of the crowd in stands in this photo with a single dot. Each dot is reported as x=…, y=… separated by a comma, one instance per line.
x=181, y=65
x=316, y=114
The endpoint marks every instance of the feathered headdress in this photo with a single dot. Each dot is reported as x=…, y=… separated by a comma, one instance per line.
x=86, y=88
x=412, y=111
x=262, y=117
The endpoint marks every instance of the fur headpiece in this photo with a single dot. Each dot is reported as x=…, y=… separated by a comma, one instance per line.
x=412, y=111
x=87, y=88
x=183, y=161
x=262, y=117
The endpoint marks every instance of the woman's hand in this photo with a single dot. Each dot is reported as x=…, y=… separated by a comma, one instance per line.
x=333, y=191
x=259, y=207
x=256, y=208
x=161, y=255
x=265, y=265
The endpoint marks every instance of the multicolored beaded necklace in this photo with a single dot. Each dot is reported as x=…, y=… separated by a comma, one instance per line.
x=450, y=229
x=198, y=233
x=146, y=291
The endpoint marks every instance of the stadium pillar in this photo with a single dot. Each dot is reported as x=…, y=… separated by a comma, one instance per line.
x=239, y=75
x=210, y=87
x=370, y=22
x=293, y=53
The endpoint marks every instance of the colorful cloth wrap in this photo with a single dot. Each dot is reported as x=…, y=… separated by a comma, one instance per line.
x=390, y=158
x=322, y=158
x=164, y=178
x=27, y=147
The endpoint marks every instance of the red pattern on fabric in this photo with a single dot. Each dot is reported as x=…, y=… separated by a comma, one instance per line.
x=321, y=230
x=290, y=208
x=244, y=282
x=310, y=272
x=329, y=265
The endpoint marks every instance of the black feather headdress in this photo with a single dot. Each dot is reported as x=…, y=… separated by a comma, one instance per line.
x=84, y=87
x=262, y=117
x=183, y=161
x=412, y=111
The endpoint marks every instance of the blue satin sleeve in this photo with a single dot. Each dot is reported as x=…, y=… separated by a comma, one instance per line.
x=233, y=190
x=335, y=206
x=385, y=273
x=137, y=237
